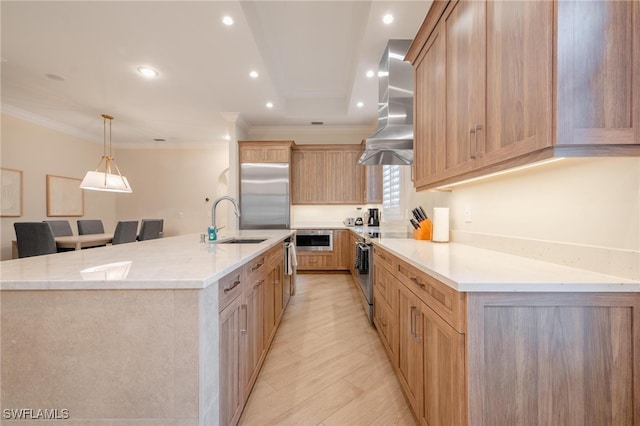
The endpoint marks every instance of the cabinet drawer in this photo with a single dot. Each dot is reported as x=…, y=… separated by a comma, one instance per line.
x=229, y=288
x=383, y=258
x=444, y=300
x=256, y=266
x=384, y=283
x=275, y=256
x=315, y=261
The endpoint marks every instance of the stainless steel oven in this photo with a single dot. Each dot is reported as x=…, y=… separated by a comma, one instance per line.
x=314, y=240
x=364, y=270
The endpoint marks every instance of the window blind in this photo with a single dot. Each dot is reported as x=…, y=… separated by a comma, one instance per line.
x=391, y=192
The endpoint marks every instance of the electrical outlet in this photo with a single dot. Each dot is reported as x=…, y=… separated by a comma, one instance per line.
x=467, y=213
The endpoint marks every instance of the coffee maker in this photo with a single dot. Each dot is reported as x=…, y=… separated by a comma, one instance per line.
x=374, y=217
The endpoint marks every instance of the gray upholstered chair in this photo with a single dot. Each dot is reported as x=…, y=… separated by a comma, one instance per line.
x=34, y=239
x=60, y=228
x=126, y=232
x=150, y=229
x=90, y=226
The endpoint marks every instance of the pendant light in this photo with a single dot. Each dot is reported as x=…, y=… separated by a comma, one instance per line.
x=105, y=180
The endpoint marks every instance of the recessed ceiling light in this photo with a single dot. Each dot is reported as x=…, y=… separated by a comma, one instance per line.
x=148, y=72
x=387, y=19
x=269, y=105
x=227, y=20
x=253, y=74
x=360, y=104
x=227, y=137
x=370, y=73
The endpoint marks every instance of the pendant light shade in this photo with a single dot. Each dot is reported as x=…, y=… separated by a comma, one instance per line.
x=105, y=180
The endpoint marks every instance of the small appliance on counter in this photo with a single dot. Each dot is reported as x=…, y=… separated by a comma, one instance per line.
x=374, y=217
x=350, y=221
x=358, y=221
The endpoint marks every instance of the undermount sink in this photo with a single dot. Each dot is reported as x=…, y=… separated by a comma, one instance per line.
x=241, y=241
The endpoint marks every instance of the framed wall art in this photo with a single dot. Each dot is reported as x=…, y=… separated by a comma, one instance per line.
x=11, y=193
x=64, y=196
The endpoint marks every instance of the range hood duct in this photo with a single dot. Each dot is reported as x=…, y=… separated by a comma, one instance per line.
x=392, y=143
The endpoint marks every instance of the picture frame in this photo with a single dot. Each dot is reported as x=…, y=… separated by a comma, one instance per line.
x=64, y=196
x=11, y=199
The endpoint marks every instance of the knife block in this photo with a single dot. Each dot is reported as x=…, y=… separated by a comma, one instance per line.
x=425, y=232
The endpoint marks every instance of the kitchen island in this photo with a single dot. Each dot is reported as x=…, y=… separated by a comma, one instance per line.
x=480, y=337
x=137, y=333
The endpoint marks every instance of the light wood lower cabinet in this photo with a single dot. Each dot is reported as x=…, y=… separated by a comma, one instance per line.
x=444, y=387
x=509, y=358
x=231, y=386
x=336, y=260
x=252, y=303
x=411, y=347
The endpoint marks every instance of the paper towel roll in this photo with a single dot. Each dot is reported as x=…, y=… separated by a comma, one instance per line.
x=441, y=224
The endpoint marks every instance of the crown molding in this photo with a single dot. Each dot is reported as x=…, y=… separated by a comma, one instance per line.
x=310, y=130
x=48, y=123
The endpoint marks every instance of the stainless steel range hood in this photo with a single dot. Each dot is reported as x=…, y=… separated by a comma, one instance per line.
x=392, y=143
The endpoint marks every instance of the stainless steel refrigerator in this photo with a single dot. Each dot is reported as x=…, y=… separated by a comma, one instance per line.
x=264, y=196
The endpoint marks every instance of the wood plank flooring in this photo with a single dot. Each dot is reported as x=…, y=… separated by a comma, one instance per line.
x=326, y=365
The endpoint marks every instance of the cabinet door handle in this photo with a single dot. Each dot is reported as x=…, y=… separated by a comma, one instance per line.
x=478, y=128
x=233, y=285
x=416, y=281
x=414, y=315
x=243, y=330
x=413, y=322
x=472, y=132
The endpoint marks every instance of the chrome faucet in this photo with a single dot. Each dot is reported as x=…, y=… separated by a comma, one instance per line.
x=215, y=204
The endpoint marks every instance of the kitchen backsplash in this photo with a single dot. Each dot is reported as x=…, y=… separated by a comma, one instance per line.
x=325, y=215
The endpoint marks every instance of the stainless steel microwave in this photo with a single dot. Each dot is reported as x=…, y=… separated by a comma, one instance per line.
x=314, y=240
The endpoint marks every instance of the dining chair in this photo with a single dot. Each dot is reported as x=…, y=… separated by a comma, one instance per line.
x=34, y=239
x=90, y=226
x=126, y=232
x=60, y=228
x=150, y=229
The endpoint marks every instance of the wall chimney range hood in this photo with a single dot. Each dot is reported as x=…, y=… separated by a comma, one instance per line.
x=392, y=143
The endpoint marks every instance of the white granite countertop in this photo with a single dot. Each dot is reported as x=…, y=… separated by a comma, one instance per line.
x=180, y=262
x=470, y=269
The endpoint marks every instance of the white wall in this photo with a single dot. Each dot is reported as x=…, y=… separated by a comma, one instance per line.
x=582, y=212
x=168, y=183
x=173, y=184
x=38, y=151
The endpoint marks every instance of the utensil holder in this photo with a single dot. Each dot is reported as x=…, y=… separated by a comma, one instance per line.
x=425, y=232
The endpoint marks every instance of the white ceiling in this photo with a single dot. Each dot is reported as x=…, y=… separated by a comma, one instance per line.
x=312, y=57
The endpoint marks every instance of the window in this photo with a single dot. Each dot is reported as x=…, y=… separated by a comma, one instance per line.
x=392, y=192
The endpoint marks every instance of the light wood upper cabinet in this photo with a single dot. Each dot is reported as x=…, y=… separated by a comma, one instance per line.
x=486, y=69
x=327, y=174
x=429, y=144
x=265, y=151
x=307, y=177
x=373, y=182
x=598, y=72
x=519, y=80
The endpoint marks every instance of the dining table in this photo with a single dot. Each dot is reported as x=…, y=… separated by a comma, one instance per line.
x=78, y=242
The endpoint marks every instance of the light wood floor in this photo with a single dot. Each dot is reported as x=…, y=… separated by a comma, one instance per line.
x=326, y=365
